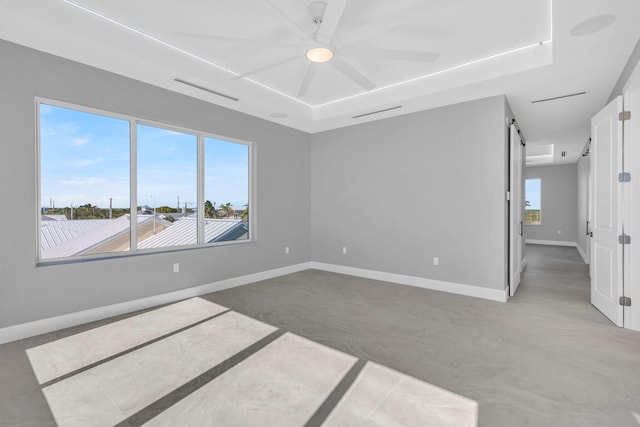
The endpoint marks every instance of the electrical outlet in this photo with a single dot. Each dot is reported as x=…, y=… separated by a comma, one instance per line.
x=286, y=249
x=344, y=250
x=176, y=267
x=436, y=260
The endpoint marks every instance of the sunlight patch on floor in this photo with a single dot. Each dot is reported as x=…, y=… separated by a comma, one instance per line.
x=277, y=378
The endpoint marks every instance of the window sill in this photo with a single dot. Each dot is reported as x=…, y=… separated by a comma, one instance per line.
x=146, y=252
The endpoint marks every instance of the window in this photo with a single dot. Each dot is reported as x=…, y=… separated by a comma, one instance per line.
x=167, y=178
x=112, y=184
x=226, y=184
x=532, y=210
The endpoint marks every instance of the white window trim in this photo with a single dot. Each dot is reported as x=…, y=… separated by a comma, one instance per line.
x=133, y=122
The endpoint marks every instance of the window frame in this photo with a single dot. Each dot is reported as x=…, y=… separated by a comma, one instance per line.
x=134, y=121
x=540, y=203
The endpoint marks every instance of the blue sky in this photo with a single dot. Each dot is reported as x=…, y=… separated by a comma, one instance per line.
x=532, y=193
x=84, y=158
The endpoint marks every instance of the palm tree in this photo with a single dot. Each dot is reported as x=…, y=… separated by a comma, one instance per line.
x=225, y=210
x=245, y=213
x=209, y=209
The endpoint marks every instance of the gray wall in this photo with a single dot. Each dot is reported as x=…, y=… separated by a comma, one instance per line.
x=396, y=192
x=559, y=203
x=582, y=170
x=632, y=62
x=400, y=191
x=29, y=292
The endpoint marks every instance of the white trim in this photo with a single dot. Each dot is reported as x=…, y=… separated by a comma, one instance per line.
x=525, y=261
x=419, y=282
x=37, y=327
x=551, y=243
x=582, y=254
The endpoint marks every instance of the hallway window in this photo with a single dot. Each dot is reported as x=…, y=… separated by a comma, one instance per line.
x=532, y=208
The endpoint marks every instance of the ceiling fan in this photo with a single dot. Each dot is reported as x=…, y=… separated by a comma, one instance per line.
x=325, y=15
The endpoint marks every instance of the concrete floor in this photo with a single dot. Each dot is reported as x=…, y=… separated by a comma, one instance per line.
x=546, y=358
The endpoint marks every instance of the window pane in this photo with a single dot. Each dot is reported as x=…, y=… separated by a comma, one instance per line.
x=84, y=183
x=226, y=190
x=533, y=212
x=167, y=188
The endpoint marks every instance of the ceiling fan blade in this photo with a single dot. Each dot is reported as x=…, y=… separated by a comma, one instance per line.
x=380, y=26
x=286, y=20
x=399, y=55
x=225, y=39
x=330, y=20
x=210, y=37
x=308, y=78
x=351, y=73
x=268, y=67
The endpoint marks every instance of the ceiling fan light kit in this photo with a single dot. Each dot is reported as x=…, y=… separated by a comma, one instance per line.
x=319, y=54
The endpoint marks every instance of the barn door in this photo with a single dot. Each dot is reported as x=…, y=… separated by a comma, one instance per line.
x=516, y=209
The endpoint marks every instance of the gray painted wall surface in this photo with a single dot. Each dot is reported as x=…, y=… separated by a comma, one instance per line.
x=582, y=170
x=28, y=292
x=559, y=203
x=400, y=191
x=632, y=63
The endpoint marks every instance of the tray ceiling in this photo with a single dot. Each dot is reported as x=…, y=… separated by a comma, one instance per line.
x=391, y=56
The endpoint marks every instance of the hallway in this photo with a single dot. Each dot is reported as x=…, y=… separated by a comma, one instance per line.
x=557, y=277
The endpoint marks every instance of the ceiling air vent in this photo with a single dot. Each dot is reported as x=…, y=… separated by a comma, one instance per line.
x=558, y=97
x=376, y=112
x=184, y=82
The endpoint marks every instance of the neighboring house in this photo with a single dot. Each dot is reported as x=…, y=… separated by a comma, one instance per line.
x=184, y=231
x=82, y=236
x=54, y=218
x=63, y=238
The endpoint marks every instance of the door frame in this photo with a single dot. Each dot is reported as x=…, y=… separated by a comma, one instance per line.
x=631, y=198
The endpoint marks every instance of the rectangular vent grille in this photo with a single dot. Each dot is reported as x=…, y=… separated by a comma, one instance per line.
x=184, y=82
x=558, y=97
x=376, y=112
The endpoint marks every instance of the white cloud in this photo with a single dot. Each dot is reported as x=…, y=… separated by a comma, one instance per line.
x=92, y=180
x=85, y=162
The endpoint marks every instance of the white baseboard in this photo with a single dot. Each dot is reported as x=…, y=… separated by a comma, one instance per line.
x=30, y=329
x=524, y=264
x=420, y=282
x=25, y=330
x=582, y=254
x=551, y=242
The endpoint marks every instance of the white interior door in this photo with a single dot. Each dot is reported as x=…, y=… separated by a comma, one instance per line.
x=516, y=209
x=606, y=220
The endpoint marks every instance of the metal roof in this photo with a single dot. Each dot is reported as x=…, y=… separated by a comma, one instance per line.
x=75, y=237
x=54, y=217
x=55, y=233
x=184, y=231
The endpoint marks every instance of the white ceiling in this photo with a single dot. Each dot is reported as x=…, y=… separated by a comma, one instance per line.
x=409, y=53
